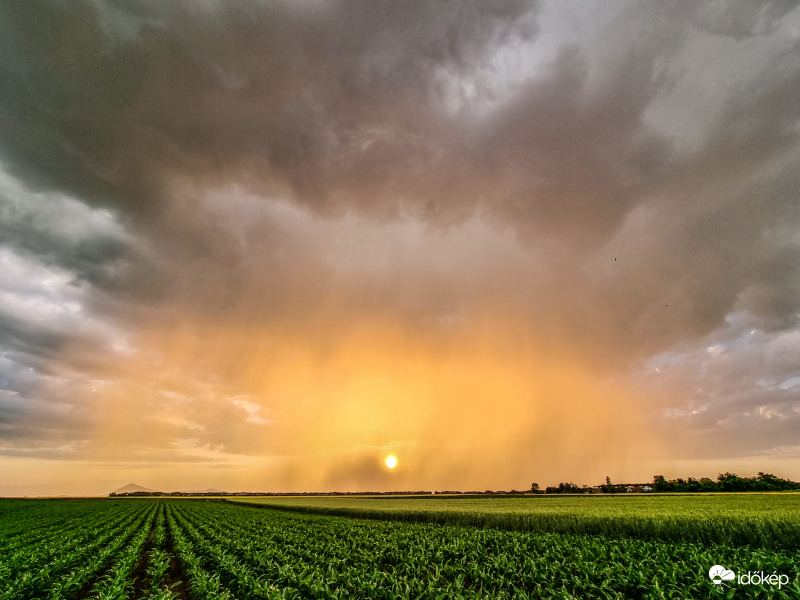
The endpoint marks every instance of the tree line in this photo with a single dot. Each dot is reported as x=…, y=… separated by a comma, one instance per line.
x=726, y=482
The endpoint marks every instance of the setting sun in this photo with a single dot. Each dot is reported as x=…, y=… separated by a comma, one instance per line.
x=391, y=462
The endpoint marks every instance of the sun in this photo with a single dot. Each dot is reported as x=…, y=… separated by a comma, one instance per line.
x=391, y=462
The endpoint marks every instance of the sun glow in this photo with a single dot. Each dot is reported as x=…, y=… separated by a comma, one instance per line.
x=319, y=412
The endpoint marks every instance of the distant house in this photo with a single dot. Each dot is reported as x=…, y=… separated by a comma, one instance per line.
x=639, y=488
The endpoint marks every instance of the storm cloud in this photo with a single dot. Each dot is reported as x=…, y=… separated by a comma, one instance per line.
x=288, y=237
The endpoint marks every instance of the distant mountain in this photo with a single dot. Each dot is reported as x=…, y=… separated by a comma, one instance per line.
x=132, y=487
x=135, y=488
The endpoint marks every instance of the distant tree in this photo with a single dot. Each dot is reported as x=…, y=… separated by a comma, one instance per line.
x=707, y=485
x=726, y=482
x=610, y=488
x=534, y=487
x=731, y=482
x=692, y=485
x=769, y=482
x=565, y=488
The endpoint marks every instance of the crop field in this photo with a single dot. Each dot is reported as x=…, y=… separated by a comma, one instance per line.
x=199, y=549
x=769, y=520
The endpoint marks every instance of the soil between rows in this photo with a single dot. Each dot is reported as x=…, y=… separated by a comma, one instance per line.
x=174, y=574
x=173, y=578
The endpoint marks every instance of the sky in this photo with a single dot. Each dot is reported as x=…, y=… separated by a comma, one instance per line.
x=262, y=246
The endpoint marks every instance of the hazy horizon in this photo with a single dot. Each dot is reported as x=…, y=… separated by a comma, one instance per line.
x=265, y=245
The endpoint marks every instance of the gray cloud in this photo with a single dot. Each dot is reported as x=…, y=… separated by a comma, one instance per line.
x=292, y=93
x=740, y=19
x=248, y=163
x=60, y=231
x=735, y=393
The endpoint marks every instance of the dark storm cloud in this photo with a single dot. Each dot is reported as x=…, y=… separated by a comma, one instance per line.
x=339, y=105
x=347, y=104
x=290, y=91
x=569, y=154
x=235, y=161
x=720, y=233
x=62, y=92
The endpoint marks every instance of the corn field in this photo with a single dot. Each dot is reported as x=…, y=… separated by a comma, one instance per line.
x=210, y=550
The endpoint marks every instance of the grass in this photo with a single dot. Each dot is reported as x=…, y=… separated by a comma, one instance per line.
x=761, y=520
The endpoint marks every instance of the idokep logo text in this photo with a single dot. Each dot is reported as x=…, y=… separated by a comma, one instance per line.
x=720, y=576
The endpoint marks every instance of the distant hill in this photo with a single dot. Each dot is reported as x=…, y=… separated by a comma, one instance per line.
x=132, y=488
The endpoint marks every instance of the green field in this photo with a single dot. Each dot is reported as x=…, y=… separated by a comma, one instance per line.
x=780, y=505
x=200, y=549
x=770, y=520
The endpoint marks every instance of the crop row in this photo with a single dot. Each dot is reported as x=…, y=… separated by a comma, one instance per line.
x=53, y=524
x=158, y=563
x=230, y=551
x=69, y=561
x=117, y=582
x=76, y=553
